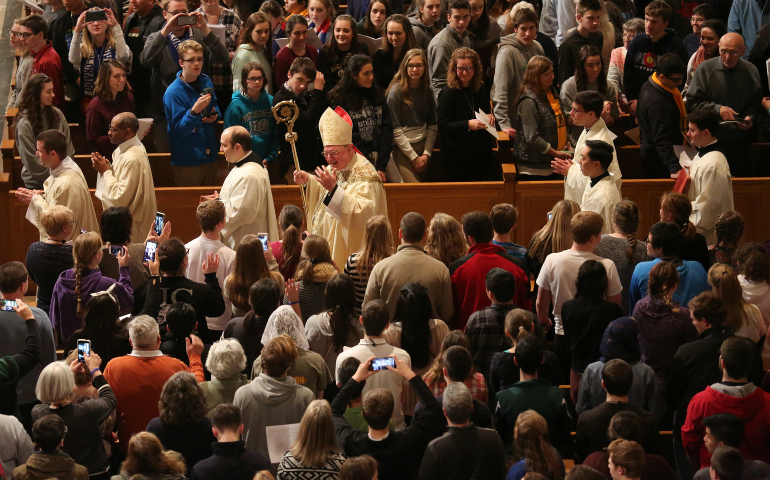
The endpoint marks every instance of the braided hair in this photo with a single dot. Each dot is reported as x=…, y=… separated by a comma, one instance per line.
x=86, y=247
x=626, y=218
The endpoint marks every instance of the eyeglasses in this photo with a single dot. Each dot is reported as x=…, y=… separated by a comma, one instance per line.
x=187, y=251
x=648, y=241
x=464, y=69
x=193, y=60
x=12, y=34
x=112, y=129
x=732, y=53
x=182, y=12
x=255, y=79
x=26, y=34
x=417, y=66
x=331, y=154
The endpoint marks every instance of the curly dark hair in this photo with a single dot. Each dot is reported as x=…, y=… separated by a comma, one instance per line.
x=729, y=228
x=182, y=401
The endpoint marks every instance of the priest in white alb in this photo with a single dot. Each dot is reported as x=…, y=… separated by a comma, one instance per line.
x=600, y=194
x=342, y=197
x=711, y=187
x=586, y=112
x=128, y=182
x=65, y=186
x=246, y=193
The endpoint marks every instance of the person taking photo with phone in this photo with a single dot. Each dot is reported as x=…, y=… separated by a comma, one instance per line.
x=191, y=108
x=161, y=54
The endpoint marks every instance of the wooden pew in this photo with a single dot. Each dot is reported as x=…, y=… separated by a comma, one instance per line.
x=534, y=200
x=179, y=206
x=160, y=163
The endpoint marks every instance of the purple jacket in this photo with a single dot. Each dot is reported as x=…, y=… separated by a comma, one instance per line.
x=63, y=311
x=662, y=330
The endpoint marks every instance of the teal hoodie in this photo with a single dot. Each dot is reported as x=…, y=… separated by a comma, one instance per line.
x=257, y=118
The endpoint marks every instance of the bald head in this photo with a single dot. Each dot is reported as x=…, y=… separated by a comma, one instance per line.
x=235, y=143
x=731, y=49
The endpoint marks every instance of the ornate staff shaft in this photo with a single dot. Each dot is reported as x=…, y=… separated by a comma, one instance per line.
x=287, y=112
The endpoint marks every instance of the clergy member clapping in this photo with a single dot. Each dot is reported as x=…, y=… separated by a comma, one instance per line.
x=342, y=197
x=128, y=182
x=246, y=192
x=65, y=186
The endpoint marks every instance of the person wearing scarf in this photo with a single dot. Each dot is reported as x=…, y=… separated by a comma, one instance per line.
x=102, y=40
x=662, y=118
x=620, y=341
x=309, y=368
x=711, y=32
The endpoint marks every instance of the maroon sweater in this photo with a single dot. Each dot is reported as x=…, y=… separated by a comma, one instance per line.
x=98, y=117
x=285, y=58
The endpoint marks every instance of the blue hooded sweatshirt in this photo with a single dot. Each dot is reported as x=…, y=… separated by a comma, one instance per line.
x=693, y=281
x=193, y=142
x=256, y=116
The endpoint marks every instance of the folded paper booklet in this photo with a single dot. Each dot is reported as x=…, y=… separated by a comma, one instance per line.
x=482, y=117
x=373, y=44
x=34, y=7
x=219, y=31
x=144, y=127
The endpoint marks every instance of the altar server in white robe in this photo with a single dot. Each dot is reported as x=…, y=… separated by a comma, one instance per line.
x=711, y=187
x=128, y=182
x=586, y=112
x=601, y=194
x=344, y=195
x=65, y=186
x=246, y=192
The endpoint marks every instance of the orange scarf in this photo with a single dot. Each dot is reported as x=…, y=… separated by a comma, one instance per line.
x=679, y=103
x=561, y=125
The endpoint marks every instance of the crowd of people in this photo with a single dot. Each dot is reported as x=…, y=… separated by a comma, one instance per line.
x=307, y=345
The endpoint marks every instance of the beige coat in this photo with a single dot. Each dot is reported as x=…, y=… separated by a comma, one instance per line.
x=66, y=186
x=411, y=264
x=129, y=184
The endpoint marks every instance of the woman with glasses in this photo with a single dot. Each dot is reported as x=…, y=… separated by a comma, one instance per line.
x=36, y=115
x=250, y=107
x=413, y=113
x=254, y=46
x=357, y=94
x=466, y=145
x=23, y=66
x=111, y=97
x=631, y=28
x=101, y=41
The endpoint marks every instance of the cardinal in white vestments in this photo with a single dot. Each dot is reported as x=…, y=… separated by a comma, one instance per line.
x=711, y=187
x=246, y=192
x=128, y=182
x=600, y=194
x=343, y=196
x=586, y=112
x=65, y=186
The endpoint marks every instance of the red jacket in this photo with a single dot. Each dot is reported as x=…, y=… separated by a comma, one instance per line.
x=469, y=273
x=47, y=61
x=752, y=409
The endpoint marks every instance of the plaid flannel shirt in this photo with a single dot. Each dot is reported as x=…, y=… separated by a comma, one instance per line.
x=220, y=73
x=486, y=331
x=475, y=383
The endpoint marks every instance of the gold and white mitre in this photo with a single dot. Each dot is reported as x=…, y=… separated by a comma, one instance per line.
x=336, y=127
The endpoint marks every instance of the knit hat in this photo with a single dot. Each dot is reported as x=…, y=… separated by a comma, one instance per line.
x=620, y=341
